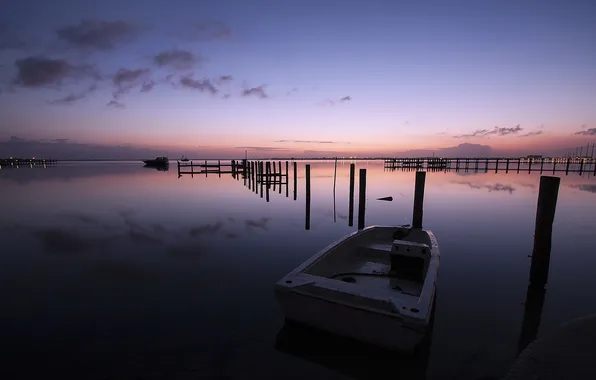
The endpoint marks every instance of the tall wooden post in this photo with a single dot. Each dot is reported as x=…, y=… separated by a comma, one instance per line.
x=418, y=200
x=545, y=216
x=351, y=201
x=287, y=182
x=362, y=199
x=295, y=180
x=307, y=214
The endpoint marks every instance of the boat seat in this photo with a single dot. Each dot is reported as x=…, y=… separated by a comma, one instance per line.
x=409, y=259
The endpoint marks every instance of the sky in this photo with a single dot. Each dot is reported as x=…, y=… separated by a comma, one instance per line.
x=114, y=79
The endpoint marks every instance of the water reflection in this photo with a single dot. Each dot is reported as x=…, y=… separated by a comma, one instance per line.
x=349, y=357
x=115, y=254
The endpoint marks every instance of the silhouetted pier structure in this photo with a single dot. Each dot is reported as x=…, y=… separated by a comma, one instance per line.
x=235, y=167
x=24, y=162
x=530, y=164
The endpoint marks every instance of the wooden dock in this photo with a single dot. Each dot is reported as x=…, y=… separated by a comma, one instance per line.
x=26, y=162
x=567, y=165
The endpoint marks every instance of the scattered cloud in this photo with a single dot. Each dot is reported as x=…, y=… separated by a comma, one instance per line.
x=202, y=85
x=499, y=131
x=61, y=241
x=461, y=150
x=491, y=188
x=534, y=133
x=262, y=223
x=587, y=132
x=225, y=78
x=331, y=102
x=34, y=72
x=585, y=187
x=148, y=86
x=98, y=35
x=260, y=148
x=126, y=79
x=211, y=30
x=177, y=59
x=73, y=97
x=259, y=92
x=115, y=104
x=205, y=229
x=310, y=141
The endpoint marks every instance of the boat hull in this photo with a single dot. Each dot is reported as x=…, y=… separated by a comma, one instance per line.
x=390, y=332
x=375, y=315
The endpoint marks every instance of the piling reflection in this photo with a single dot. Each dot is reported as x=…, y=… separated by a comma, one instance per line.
x=350, y=357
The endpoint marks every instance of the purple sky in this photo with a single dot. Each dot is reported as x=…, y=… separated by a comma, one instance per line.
x=213, y=78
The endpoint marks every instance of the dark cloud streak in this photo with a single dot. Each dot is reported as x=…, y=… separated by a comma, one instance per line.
x=499, y=131
x=98, y=35
x=34, y=72
x=177, y=59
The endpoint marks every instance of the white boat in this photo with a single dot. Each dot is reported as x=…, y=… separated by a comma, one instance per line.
x=376, y=285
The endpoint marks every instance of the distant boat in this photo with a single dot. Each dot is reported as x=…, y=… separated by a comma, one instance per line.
x=158, y=161
x=376, y=285
x=184, y=159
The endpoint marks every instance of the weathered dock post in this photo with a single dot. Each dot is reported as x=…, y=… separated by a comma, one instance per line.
x=295, y=180
x=568, y=163
x=457, y=164
x=530, y=166
x=518, y=164
x=362, y=199
x=486, y=166
x=307, y=217
x=541, y=165
x=545, y=216
x=507, y=167
x=287, y=182
x=262, y=176
x=335, y=175
x=351, y=201
x=581, y=166
x=554, y=165
x=274, y=175
x=280, y=177
x=418, y=200
x=497, y=166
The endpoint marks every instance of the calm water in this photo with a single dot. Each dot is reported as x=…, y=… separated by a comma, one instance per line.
x=112, y=269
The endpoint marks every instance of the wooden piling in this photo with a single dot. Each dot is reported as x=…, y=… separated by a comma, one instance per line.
x=581, y=166
x=307, y=218
x=274, y=175
x=262, y=177
x=295, y=180
x=287, y=182
x=507, y=167
x=497, y=166
x=418, y=200
x=545, y=216
x=554, y=166
x=518, y=165
x=351, y=201
x=362, y=199
x=335, y=175
x=567, y=168
x=541, y=165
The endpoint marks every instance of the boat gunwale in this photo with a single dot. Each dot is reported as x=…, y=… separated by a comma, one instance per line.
x=419, y=311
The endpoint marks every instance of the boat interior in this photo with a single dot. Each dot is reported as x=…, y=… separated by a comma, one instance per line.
x=392, y=258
